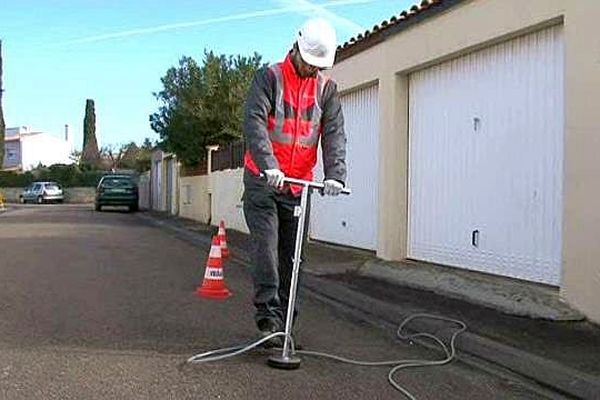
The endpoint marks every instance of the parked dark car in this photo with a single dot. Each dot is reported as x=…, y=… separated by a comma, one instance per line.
x=42, y=192
x=117, y=190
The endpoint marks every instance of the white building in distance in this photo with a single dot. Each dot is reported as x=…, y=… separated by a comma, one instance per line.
x=25, y=149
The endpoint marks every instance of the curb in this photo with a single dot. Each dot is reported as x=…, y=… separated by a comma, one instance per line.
x=524, y=299
x=547, y=373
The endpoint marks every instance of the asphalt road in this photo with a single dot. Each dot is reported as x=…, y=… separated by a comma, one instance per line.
x=102, y=306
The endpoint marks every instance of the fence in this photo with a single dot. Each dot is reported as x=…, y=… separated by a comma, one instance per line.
x=230, y=156
x=200, y=169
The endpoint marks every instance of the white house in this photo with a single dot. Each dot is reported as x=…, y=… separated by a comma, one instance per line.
x=24, y=149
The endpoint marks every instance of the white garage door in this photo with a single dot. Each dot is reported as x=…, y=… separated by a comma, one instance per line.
x=486, y=153
x=157, y=187
x=352, y=220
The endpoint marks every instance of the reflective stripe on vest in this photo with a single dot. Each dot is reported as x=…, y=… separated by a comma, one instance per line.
x=277, y=134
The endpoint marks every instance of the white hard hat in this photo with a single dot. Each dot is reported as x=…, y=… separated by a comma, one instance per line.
x=317, y=43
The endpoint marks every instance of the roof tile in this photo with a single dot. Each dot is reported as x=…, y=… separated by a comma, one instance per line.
x=368, y=38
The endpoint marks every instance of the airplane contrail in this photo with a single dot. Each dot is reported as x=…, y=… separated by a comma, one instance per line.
x=310, y=9
x=302, y=6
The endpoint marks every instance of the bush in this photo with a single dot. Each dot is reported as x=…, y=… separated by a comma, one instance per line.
x=65, y=175
x=12, y=179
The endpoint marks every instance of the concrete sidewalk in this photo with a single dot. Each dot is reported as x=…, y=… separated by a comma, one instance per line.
x=515, y=326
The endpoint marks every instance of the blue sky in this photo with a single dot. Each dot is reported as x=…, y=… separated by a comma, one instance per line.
x=58, y=53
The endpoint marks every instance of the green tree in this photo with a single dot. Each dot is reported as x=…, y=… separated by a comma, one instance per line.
x=2, y=125
x=203, y=104
x=131, y=152
x=90, y=154
x=143, y=157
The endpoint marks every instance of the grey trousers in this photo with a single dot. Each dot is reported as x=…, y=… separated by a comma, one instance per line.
x=270, y=218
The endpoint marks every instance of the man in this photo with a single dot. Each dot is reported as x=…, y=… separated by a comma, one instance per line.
x=290, y=107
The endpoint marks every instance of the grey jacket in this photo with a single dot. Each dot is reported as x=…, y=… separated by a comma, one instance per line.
x=260, y=103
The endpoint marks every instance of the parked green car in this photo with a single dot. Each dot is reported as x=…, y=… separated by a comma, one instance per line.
x=117, y=190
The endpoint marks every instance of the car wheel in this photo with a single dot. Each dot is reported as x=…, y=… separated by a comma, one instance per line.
x=134, y=208
x=98, y=207
x=21, y=200
x=40, y=200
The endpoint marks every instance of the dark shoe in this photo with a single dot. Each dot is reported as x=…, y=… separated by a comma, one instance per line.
x=297, y=346
x=266, y=328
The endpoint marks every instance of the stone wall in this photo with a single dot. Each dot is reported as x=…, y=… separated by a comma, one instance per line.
x=72, y=195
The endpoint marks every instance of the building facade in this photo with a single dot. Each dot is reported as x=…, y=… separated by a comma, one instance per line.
x=25, y=149
x=484, y=131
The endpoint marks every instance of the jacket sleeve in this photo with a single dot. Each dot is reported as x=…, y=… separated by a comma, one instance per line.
x=333, y=139
x=256, y=111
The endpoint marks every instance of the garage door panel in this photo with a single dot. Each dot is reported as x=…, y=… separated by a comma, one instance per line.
x=352, y=220
x=486, y=133
x=524, y=142
x=438, y=204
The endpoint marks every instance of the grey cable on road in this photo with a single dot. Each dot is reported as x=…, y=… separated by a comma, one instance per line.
x=449, y=351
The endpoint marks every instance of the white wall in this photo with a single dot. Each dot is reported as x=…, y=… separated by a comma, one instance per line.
x=72, y=194
x=45, y=149
x=226, y=199
x=194, y=199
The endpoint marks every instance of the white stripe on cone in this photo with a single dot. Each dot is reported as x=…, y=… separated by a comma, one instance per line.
x=215, y=252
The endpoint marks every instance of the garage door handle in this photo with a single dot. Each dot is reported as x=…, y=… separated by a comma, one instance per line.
x=476, y=124
x=475, y=238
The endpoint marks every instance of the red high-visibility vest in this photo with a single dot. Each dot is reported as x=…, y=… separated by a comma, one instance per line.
x=294, y=124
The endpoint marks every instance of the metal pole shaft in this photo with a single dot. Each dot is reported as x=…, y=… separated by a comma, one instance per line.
x=295, y=271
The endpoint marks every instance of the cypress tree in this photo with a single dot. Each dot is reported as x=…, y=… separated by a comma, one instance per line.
x=90, y=154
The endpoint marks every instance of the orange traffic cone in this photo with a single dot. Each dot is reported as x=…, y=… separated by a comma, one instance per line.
x=213, y=286
x=223, y=239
